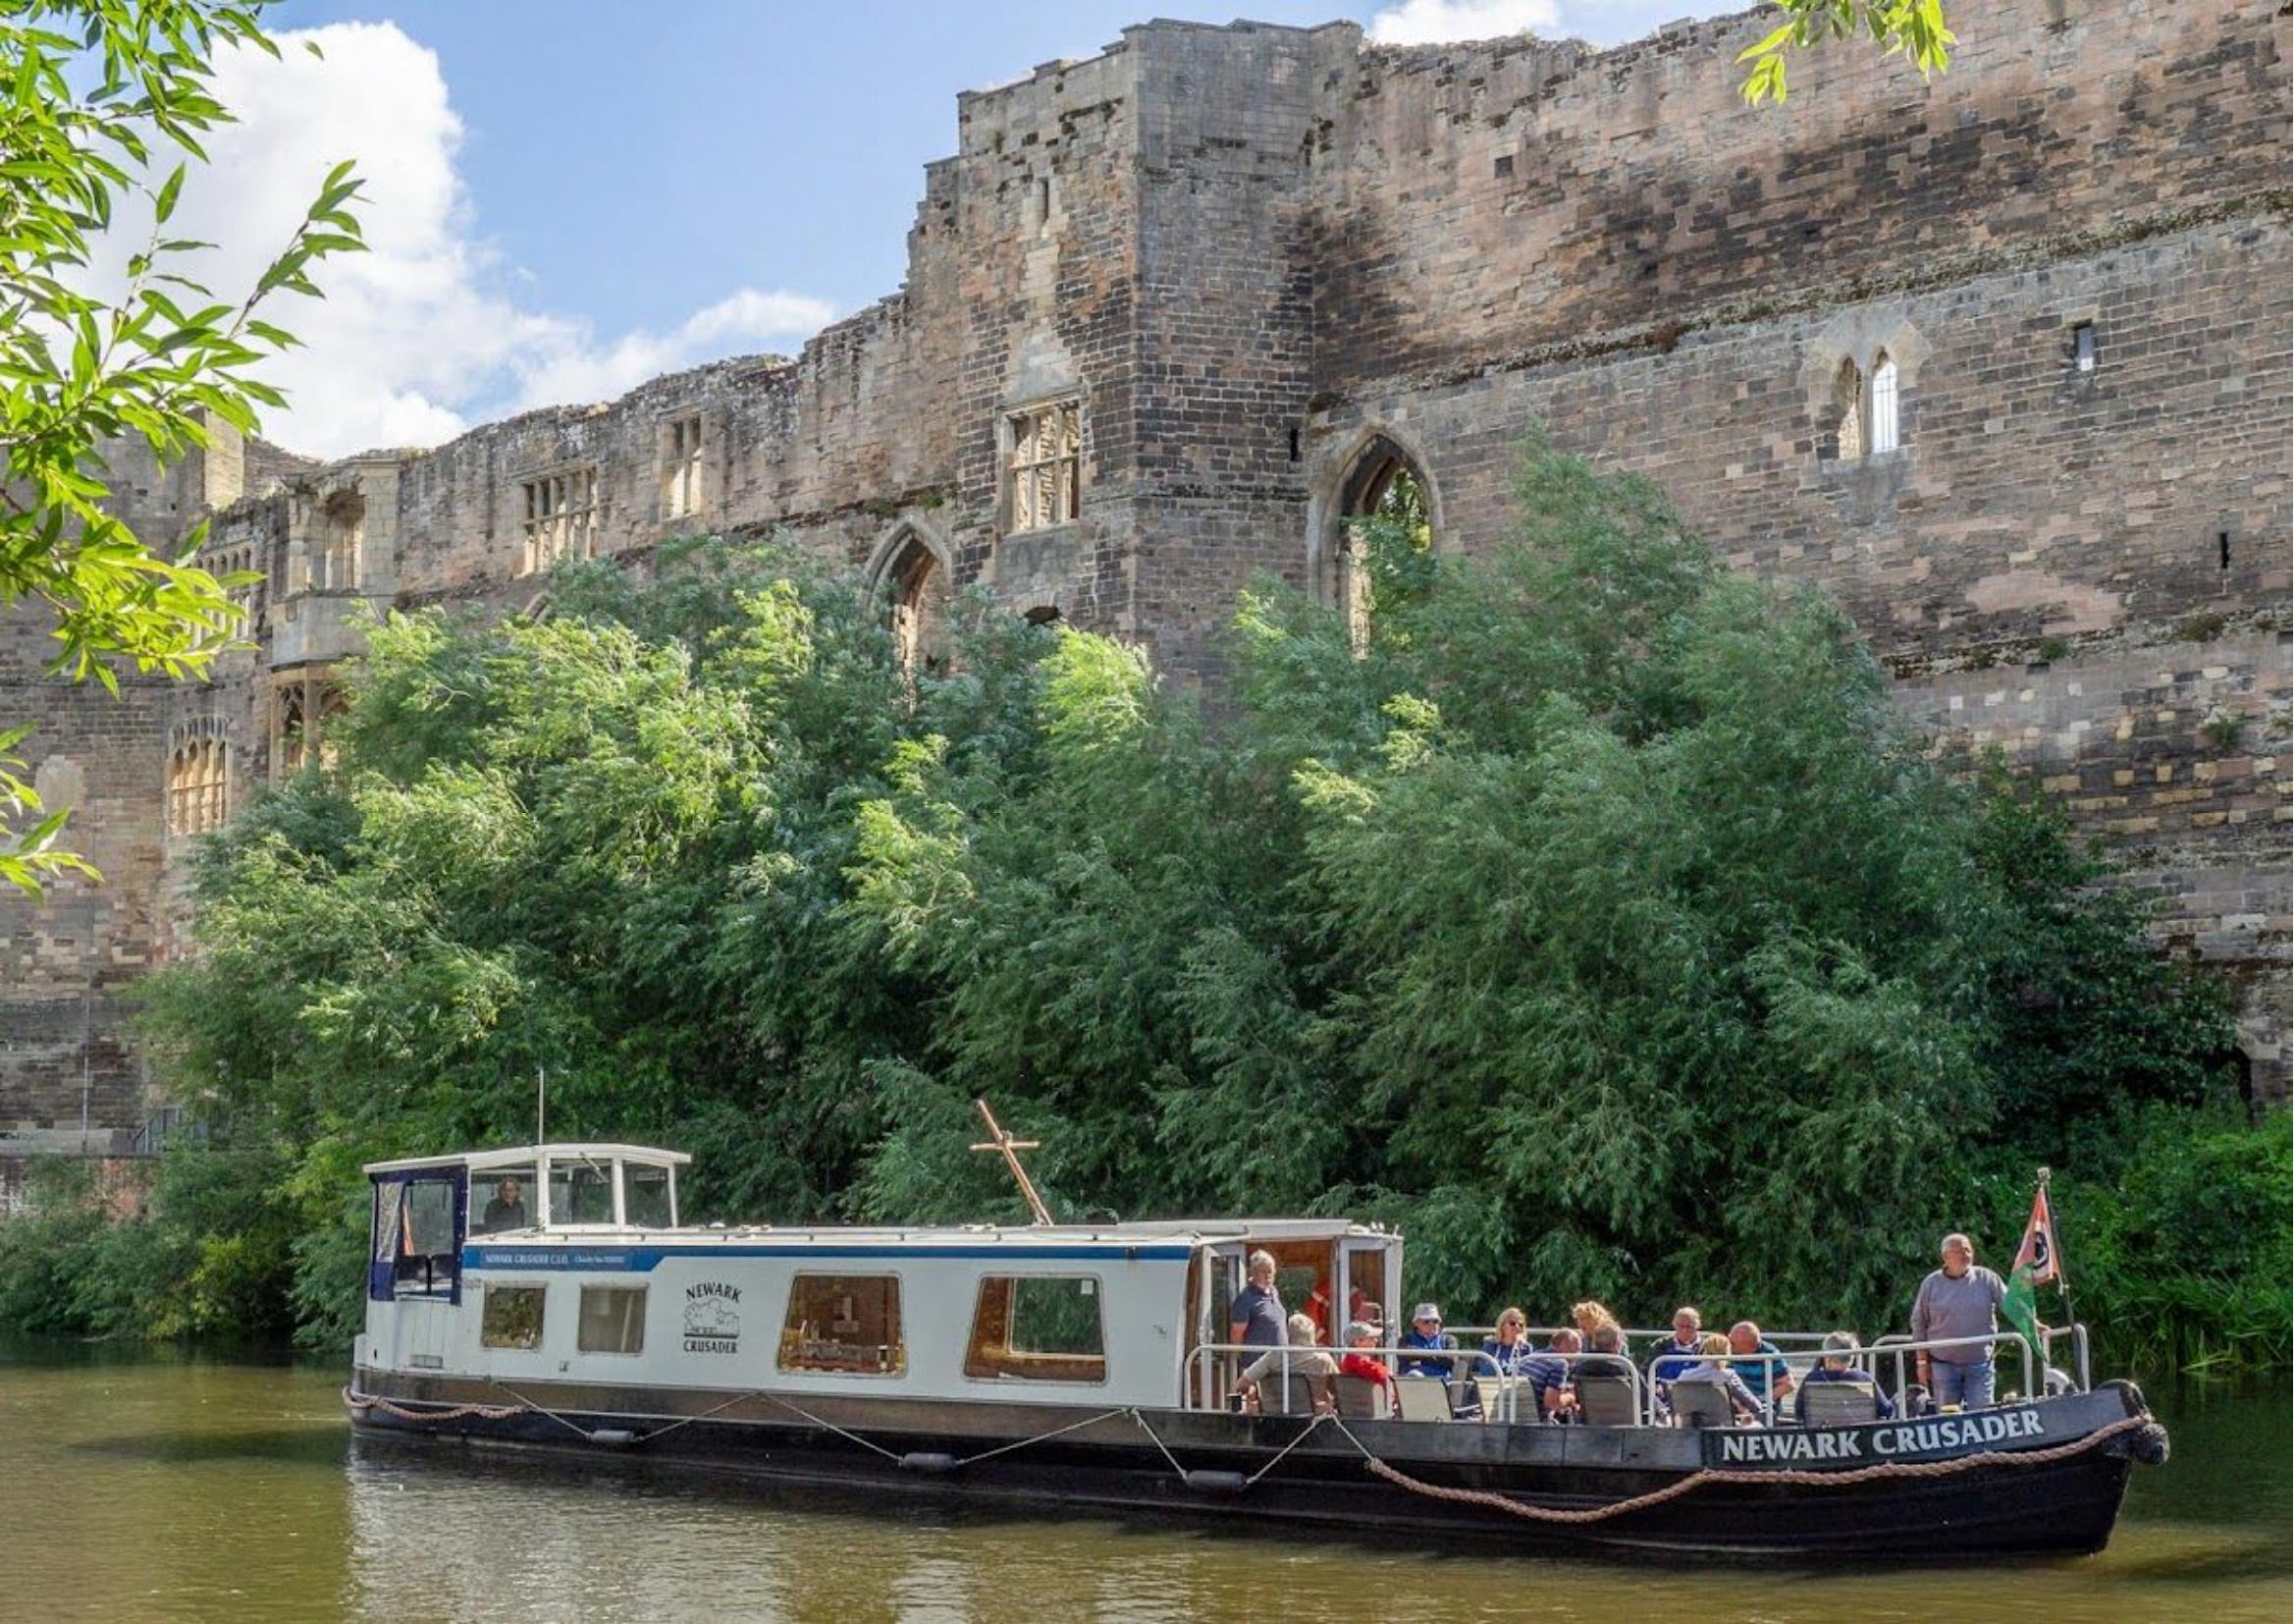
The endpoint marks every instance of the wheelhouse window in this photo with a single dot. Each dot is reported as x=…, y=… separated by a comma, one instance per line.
x=612, y=1320
x=508, y=1200
x=417, y=1241
x=645, y=1197
x=848, y=1324
x=581, y=1192
x=511, y=1316
x=1044, y=472
x=1038, y=1327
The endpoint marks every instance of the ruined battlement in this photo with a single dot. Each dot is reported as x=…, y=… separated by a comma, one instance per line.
x=2001, y=359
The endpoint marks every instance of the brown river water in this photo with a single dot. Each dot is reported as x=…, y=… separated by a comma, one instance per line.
x=200, y=1489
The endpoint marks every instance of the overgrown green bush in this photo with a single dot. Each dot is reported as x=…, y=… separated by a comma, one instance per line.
x=1601, y=923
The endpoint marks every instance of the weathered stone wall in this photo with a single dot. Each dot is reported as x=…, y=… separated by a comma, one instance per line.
x=2086, y=569
x=1252, y=252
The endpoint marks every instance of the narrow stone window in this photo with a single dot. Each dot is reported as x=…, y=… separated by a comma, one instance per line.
x=681, y=466
x=920, y=609
x=2085, y=347
x=1046, y=466
x=1384, y=509
x=1848, y=412
x=559, y=519
x=1882, y=411
x=198, y=786
x=335, y=534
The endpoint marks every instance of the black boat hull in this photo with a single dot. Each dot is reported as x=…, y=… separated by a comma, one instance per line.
x=1948, y=1504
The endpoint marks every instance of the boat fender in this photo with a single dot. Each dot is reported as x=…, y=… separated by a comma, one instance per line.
x=614, y=1438
x=1215, y=1483
x=938, y=1466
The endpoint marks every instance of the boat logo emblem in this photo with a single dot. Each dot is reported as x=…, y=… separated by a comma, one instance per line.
x=713, y=1316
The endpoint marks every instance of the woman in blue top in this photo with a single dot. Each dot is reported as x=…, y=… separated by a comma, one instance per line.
x=1511, y=1347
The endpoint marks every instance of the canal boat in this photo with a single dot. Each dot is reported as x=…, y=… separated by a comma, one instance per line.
x=548, y=1298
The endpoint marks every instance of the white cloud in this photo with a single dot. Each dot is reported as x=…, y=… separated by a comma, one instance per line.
x=1431, y=21
x=430, y=330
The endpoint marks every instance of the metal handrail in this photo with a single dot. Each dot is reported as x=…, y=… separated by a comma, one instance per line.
x=1508, y=1385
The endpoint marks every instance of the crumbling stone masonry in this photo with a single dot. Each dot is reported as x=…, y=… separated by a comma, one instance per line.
x=2001, y=359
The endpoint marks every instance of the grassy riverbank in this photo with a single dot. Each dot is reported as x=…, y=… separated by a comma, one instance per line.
x=1593, y=915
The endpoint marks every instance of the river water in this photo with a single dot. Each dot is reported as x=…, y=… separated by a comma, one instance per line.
x=201, y=1489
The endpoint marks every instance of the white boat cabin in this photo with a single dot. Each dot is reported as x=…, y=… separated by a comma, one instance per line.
x=567, y=1262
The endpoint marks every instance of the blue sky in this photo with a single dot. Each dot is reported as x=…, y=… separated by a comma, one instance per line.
x=571, y=196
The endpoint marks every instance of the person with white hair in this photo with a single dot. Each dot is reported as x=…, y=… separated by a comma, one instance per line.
x=1836, y=1366
x=1256, y=1319
x=1957, y=1300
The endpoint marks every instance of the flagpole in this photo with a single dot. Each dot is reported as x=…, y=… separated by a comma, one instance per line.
x=2064, y=1292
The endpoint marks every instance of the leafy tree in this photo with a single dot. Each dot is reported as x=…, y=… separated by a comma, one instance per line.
x=102, y=94
x=1600, y=922
x=1912, y=28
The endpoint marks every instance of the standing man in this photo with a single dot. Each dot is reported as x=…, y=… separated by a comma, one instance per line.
x=1957, y=1300
x=1256, y=1319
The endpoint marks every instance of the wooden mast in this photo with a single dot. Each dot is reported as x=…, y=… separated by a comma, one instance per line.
x=1007, y=1145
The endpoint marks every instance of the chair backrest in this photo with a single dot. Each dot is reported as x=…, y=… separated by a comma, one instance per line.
x=1697, y=1403
x=1606, y=1398
x=1423, y=1399
x=1360, y=1398
x=1293, y=1393
x=1839, y=1403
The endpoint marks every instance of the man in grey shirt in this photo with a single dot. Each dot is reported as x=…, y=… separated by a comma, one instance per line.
x=1957, y=1300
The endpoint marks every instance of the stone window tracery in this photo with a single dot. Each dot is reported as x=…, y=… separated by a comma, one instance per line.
x=681, y=466
x=1045, y=473
x=559, y=517
x=198, y=786
x=335, y=536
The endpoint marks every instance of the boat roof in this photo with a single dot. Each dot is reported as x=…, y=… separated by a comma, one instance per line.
x=524, y=1156
x=1211, y=1230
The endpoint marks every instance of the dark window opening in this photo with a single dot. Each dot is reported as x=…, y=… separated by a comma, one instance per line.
x=1295, y=440
x=1503, y=165
x=1042, y=615
x=2085, y=347
x=2223, y=549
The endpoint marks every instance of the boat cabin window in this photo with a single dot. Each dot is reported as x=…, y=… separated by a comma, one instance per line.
x=1038, y=1327
x=508, y=1200
x=849, y=1324
x=416, y=1244
x=511, y=1317
x=612, y=1320
x=645, y=1197
x=581, y=1192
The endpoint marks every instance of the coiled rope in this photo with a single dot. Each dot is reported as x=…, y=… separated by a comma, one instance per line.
x=1713, y=1475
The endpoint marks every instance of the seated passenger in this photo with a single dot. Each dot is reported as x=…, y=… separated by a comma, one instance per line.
x=1510, y=1351
x=1836, y=1368
x=1682, y=1353
x=1548, y=1376
x=1590, y=1317
x=1427, y=1333
x=507, y=1209
x=1302, y=1360
x=1769, y=1374
x=1363, y=1335
x=1714, y=1350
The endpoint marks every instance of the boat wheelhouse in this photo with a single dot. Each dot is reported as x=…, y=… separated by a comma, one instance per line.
x=548, y=1297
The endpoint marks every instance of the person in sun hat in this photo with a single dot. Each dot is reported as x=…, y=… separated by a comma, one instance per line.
x=1427, y=1333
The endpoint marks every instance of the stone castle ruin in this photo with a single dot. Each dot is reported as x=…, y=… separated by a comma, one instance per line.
x=2002, y=359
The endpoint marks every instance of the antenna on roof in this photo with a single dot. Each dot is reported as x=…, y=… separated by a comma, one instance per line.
x=1005, y=1143
x=541, y=1094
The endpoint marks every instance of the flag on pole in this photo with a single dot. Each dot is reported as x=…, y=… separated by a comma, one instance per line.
x=2037, y=1262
